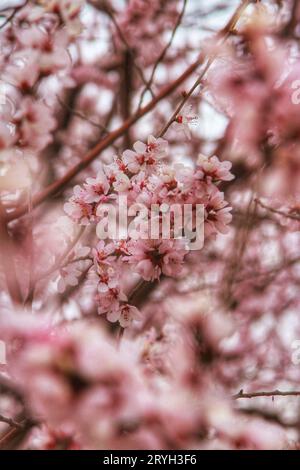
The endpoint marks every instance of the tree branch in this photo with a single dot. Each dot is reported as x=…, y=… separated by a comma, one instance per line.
x=223, y=35
x=162, y=54
x=274, y=393
x=10, y=422
x=60, y=184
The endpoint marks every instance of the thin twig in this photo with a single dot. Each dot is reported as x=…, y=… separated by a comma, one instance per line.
x=13, y=14
x=10, y=422
x=81, y=115
x=277, y=211
x=273, y=393
x=271, y=272
x=55, y=267
x=8, y=388
x=13, y=438
x=163, y=53
x=128, y=47
x=66, y=253
x=223, y=35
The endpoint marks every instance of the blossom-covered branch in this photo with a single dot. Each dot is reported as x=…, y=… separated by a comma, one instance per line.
x=149, y=225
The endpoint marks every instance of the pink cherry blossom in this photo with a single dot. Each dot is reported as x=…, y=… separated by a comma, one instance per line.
x=115, y=173
x=34, y=123
x=214, y=169
x=96, y=187
x=108, y=276
x=218, y=213
x=78, y=208
x=102, y=252
x=145, y=154
x=75, y=266
x=23, y=70
x=110, y=302
x=69, y=11
x=153, y=258
x=183, y=121
x=125, y=315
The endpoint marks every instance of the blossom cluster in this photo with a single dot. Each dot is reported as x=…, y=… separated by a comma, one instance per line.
x=143, y=176
x=34, y=50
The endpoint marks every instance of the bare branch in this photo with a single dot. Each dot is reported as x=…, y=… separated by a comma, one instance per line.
x=277, y=211
x=274, y=393
x=162, y=54
x=13, y=14
x=223, y=35
x=10, y=422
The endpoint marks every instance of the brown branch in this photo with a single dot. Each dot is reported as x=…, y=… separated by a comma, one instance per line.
x=163, y=53
x=223, y=35
x=126, y=89
x=8, y=388
x=13, y=14
x=93, y=153
x=57, y=264
x=277, y=211
x=141, y=292
x=240, y=242
x=270, y=417
x=81, y=115
x=273, y=393
x=64, y=118
x=273, y=272
x=109, y=11
x=22, y=423
x=13, y=438
x=11, y=422
x=292, y=23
